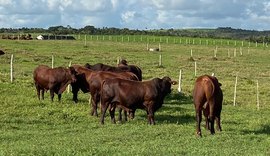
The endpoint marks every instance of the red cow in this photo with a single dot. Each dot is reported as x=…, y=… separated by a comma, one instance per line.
x=90, y=81
x=130, y=95
x=207, y=97
x=123, y=68
x=54, y=79
x=2, y=52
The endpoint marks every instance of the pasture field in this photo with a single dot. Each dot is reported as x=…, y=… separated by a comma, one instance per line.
x=32, y=127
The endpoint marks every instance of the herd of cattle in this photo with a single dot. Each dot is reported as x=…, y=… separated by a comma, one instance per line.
x=122, y=87
x=17, y=37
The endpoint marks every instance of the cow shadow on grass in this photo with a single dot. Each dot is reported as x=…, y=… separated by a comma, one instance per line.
x=264, y=129
x=178, y=99
x=175, y=111
x=172, y=119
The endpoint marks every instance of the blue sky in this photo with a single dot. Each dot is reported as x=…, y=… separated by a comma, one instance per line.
x=136, y=14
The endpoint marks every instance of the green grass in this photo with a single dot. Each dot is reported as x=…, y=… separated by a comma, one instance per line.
x=32, y=127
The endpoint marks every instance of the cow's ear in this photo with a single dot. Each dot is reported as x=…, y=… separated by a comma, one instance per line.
x=219, y=84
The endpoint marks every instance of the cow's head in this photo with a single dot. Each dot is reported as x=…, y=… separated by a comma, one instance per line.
x=123, y=62
x=73, y=74
x=87, y=65
x=166, y=84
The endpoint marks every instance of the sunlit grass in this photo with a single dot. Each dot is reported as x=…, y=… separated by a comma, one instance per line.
x=32, y=127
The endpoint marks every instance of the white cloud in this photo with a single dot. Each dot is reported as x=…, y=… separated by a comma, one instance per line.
x=128, y=16
x=5, y=2
x=136, y=14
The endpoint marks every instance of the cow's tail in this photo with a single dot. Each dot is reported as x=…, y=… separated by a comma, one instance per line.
x=102, y=90
x=212, y=107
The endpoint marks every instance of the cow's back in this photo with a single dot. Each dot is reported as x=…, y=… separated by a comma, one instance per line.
x=42, y=76
x=128, y=93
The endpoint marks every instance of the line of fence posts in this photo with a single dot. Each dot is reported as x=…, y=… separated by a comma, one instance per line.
x=188, y=41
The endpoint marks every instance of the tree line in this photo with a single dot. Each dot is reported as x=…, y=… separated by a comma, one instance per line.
x=218, y=33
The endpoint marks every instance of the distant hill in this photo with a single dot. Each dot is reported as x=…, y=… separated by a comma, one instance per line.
x=221, y=33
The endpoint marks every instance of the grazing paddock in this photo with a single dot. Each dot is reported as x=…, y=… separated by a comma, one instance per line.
x=32, y=127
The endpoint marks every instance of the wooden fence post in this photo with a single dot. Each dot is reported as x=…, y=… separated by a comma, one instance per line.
x=195, y=68
x=85, y=40
x=52, y=61
x=68, y=88
x=180, y=79
x=258, y=102
x=160, y=60
x=234, y=97
x=11, y=68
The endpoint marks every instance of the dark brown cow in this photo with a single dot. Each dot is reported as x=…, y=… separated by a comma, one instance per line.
x=123, y=68
x=2, y=52
x=123, y=65
x=207, y=97
x=90, y=81
x=130, y=95
x=54, y=79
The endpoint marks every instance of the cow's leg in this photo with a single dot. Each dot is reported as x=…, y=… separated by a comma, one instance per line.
x=59, y=97
x=206, y=113
x=52, y=94
x=75, y=91
x=125, y=115
x=42, y=93
x=104, y=107
x=94, y=102
x=131, y=114
x=198, y=119
x=151, y=120
x=212, y=116
x=112, y=113
x=218, y=123
x=38, y=92
x=120, y=114
x=217, y=117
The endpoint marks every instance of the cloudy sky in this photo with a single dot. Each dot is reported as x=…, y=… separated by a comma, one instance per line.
x=136, y=14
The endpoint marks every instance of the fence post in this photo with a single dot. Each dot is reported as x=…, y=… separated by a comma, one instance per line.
x=11, y=68
x=52, y=61
x=241, y=53
x=68, y=89
x=118, y=60
x=195, y=68
x=234, y=96
x=180, y=79
x=160, y=60
x=258, y=102
x=85, y=40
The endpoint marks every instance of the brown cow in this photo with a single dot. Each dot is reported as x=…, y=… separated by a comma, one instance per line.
x=101, y=67
x=207, y=97
x=123, y=65
x=130, y=95
x=90, y=81
x=54, y=79
x=2, y=52
x=122, y=68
